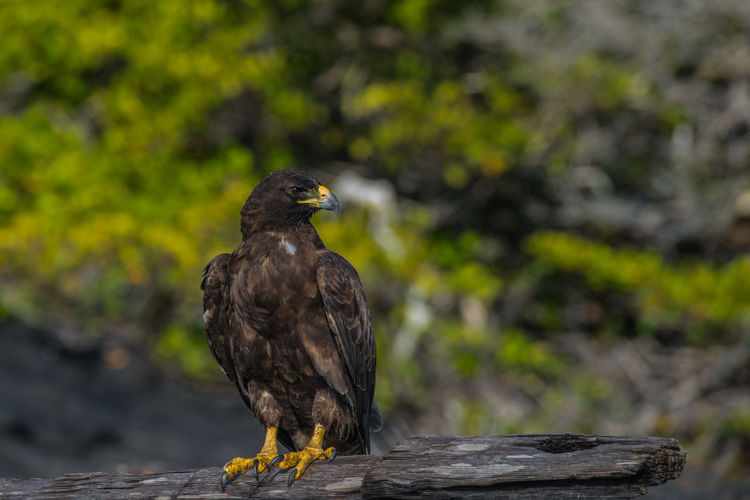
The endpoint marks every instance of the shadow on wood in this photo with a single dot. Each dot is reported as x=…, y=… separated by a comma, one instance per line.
x=544, y=465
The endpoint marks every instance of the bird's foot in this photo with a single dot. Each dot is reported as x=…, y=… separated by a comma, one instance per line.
x=238, y=466
x=267, y=457
x=298, y=461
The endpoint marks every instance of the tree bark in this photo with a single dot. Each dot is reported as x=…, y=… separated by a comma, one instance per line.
x=523, y=466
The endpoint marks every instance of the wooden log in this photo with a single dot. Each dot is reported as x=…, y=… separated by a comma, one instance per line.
x=523, y=466
x=558, y=466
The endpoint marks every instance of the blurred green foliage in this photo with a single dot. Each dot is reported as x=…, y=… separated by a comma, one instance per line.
x=738, y=424
x=701, y=299
x=131, y=133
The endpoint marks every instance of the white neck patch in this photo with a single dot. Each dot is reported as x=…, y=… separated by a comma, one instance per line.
x=288, y=247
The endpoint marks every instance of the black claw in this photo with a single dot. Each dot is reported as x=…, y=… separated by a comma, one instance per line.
x=225, y=481
x=276, y=473
x=276, y=460
x=290, y=481
x=255, y=469
x=333, y=455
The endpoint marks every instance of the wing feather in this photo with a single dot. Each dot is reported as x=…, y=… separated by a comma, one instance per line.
x=351, y=325
x=215, y=312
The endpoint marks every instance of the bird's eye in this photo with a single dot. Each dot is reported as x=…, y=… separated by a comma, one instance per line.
x=297, y=189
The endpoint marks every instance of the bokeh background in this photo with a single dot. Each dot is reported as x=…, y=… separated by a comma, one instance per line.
x=548, y=203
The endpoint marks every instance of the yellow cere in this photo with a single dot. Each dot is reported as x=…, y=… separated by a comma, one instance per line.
x=323, y=193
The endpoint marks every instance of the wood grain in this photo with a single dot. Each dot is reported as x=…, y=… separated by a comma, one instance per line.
x=523, y=466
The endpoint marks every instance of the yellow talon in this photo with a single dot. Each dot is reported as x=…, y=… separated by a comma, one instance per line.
x=300, y=460
x=259, y=463
x=305, y=457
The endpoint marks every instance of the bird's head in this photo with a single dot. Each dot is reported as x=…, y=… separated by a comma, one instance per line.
x=286, y=197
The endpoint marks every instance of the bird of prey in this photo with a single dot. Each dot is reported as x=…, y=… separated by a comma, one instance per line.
x=288, y=323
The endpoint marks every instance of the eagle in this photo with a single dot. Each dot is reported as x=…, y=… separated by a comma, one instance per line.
x=288, y=323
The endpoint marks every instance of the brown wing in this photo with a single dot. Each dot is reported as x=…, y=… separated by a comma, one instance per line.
x=351, y=325
x=216, y=313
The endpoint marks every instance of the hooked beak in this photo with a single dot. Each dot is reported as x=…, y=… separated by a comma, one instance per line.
x=324, y=199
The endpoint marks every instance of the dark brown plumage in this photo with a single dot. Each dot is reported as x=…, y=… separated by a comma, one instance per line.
x=288, y=323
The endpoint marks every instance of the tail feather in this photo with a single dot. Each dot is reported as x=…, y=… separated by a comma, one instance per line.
x=376, y=420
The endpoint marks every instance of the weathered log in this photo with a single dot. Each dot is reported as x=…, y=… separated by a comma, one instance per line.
x=523, y=466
